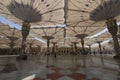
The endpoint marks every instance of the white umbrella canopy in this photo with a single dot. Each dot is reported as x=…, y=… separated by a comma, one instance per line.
x=91, y=13
x=32, y=12
x=78, y=11
x=56, y=32
x=95, y=13
x=28, y=42
x=3, y=27
x=105, y=35
x=57, y=41
x=10, y=32
x=9, y=36
x=81, y=12
x=71, y=40
x=33, y=41
x=77, y=15
x=4, y=46
x=8, y=42
x=5, y=42
x=72, y=31
x=37, y=12
x=93, y=40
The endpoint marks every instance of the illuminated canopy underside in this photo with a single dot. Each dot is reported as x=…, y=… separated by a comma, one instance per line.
x=79, y=17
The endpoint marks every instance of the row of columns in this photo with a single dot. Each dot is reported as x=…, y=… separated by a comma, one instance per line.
x=111, y=25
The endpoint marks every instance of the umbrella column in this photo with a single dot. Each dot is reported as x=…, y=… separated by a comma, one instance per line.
x=100, y=48
x=53, y=50
x=12, y=40
x=25, y=32
x=104, y=51
x=113, y=29
x=74, y=50
x=39, y=49
x=90, y=54
x=48, y=38
x=89, y=49
x=83, y=51
x=39, y=52
x=82, y=43
x=75, y=46
x=108, y=11
x=82, y=36
x=30, y=47
x=27, y=15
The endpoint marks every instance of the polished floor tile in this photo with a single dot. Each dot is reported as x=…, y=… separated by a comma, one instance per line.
x=64, y=67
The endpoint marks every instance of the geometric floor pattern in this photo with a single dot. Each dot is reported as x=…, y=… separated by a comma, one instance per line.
x=81, y=73
x=62, y=68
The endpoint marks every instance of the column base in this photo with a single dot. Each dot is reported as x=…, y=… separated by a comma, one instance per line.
x=116, y=57
x=22, y=57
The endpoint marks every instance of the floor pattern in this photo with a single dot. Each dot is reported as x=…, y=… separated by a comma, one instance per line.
x=64, y=68
x=80, y=73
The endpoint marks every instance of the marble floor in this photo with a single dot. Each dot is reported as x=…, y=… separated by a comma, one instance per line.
x=64, y=67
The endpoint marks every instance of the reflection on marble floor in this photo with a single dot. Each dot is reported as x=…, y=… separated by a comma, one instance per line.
x=62, y=68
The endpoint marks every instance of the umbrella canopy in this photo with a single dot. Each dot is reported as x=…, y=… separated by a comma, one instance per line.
x=38, y=12
x=10, y=33
x=56, y=32
x=78, y=16
x=105, y=35
x=89, y=15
